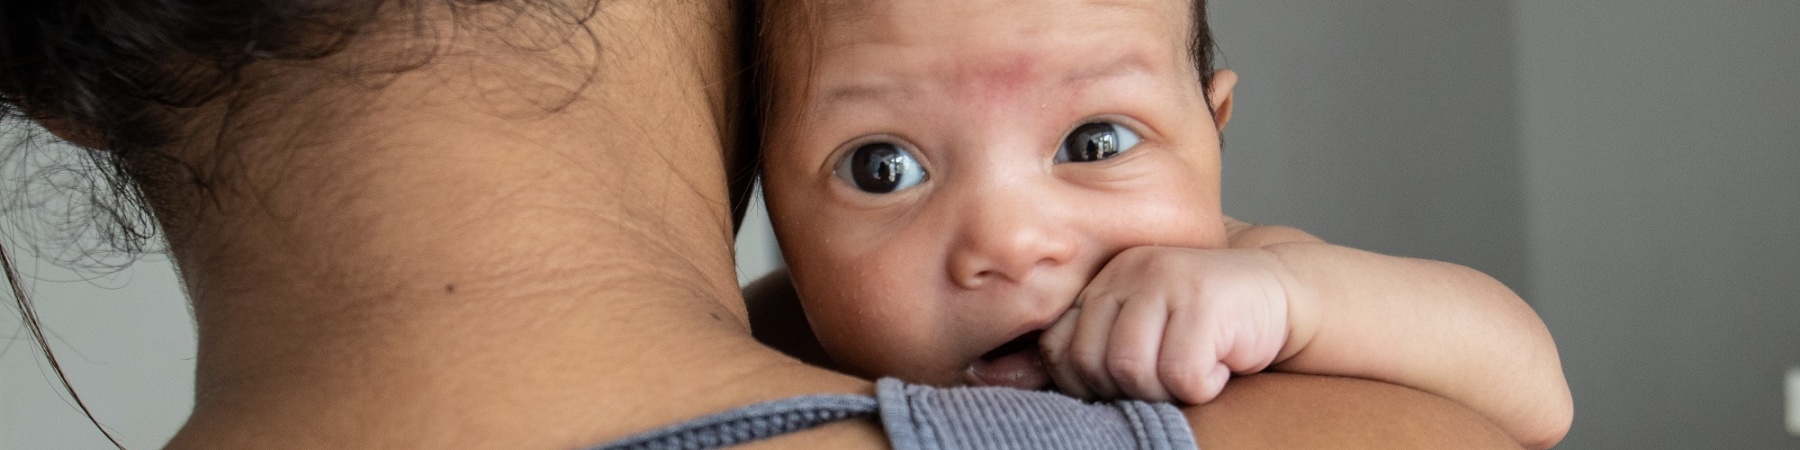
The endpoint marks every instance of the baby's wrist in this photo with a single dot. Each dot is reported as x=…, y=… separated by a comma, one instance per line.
x=1299, y=302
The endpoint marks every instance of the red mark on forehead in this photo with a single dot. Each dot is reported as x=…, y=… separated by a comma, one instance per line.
x=999, y=76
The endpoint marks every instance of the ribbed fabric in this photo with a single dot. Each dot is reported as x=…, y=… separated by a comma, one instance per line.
x=750, y=423
x=926, y=418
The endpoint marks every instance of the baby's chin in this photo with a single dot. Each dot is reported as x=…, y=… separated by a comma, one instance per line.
x=1017, y=364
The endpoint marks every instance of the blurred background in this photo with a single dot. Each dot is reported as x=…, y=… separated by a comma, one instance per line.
x=1632, y=168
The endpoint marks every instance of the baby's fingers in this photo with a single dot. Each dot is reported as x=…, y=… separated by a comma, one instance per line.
x=1132, y=356
x=1087, y=349
x=1055, y=344
x=1190, y=367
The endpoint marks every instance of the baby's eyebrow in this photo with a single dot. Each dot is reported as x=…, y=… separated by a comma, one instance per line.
x=1123, y=63
x=1132, y=4
x=836, y=96
x=1126, y=63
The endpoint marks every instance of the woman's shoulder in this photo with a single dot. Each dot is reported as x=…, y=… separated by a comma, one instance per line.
x=1280, y=410
x=921, y=417
x=1267, y=410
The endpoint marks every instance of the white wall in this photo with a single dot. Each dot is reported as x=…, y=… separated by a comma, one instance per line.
x=124, y=338
x=757, y=253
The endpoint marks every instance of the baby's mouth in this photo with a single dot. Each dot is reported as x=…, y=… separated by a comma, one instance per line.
x=1015, y=364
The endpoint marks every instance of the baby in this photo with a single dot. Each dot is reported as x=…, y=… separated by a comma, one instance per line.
x=1026, y=194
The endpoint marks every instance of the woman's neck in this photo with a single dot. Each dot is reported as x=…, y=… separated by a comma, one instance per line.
x=448, y=258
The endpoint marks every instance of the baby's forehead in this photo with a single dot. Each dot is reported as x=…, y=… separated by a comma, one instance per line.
x=1003, y=38
x=874, y=15
x=862, y=9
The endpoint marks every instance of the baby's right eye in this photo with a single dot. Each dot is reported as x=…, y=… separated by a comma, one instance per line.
x=880, y=168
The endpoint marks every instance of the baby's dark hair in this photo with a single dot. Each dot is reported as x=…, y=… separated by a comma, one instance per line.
x=1201, y=47
x=788, y=24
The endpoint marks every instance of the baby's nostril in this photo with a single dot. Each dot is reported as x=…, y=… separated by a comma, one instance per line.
x=1024, y=342
x=979, y=279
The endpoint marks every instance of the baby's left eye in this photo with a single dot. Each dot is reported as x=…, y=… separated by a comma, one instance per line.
x=1095, y=141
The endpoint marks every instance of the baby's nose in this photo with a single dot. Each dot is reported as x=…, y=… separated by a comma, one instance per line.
x=1008, y=241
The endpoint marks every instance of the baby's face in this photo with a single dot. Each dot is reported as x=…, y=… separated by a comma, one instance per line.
x=960, y=170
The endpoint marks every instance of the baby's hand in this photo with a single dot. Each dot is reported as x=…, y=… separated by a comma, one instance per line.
x=1170, y=324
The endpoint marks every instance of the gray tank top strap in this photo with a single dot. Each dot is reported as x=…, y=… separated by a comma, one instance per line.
x=750, y=423
x=926, y=418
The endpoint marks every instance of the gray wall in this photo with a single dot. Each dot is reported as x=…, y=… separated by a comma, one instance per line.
x=1388, y=125
x=1631, y=167
x=1662, y=161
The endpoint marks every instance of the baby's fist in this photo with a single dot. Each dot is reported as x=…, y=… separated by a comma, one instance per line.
x=1170, y=324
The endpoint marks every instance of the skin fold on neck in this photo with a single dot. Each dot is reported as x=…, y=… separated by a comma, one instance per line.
x=444, y=260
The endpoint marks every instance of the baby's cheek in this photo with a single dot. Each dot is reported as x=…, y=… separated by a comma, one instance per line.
x=1183, y=218
x=878, y=325
x=848, y=319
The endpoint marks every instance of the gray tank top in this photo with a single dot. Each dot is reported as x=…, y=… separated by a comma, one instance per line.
x=919, y=417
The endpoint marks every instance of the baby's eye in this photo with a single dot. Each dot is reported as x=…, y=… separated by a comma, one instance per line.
x=880, y=168
x=1094, y=141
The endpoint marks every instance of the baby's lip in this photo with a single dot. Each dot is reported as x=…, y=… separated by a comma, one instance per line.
x=1024, y=340
x=1015, y=364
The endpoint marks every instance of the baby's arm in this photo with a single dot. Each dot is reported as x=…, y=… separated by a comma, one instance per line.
x=1429, y=325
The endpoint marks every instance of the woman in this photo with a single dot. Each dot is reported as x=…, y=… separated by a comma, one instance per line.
x=482, y=224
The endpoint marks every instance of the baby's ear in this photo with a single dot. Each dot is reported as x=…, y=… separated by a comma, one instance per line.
x=1219, y=92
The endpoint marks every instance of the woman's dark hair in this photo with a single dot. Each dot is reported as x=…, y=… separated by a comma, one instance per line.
x=120, y=78
x=114, y=76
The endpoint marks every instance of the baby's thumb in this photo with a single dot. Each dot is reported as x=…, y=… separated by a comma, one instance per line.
x=1055, y=345
x=1215, y=382
x=1204, y=387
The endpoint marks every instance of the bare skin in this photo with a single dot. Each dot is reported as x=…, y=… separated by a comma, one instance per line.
x=408, y=268
x=441, y=276
x=924, y=176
